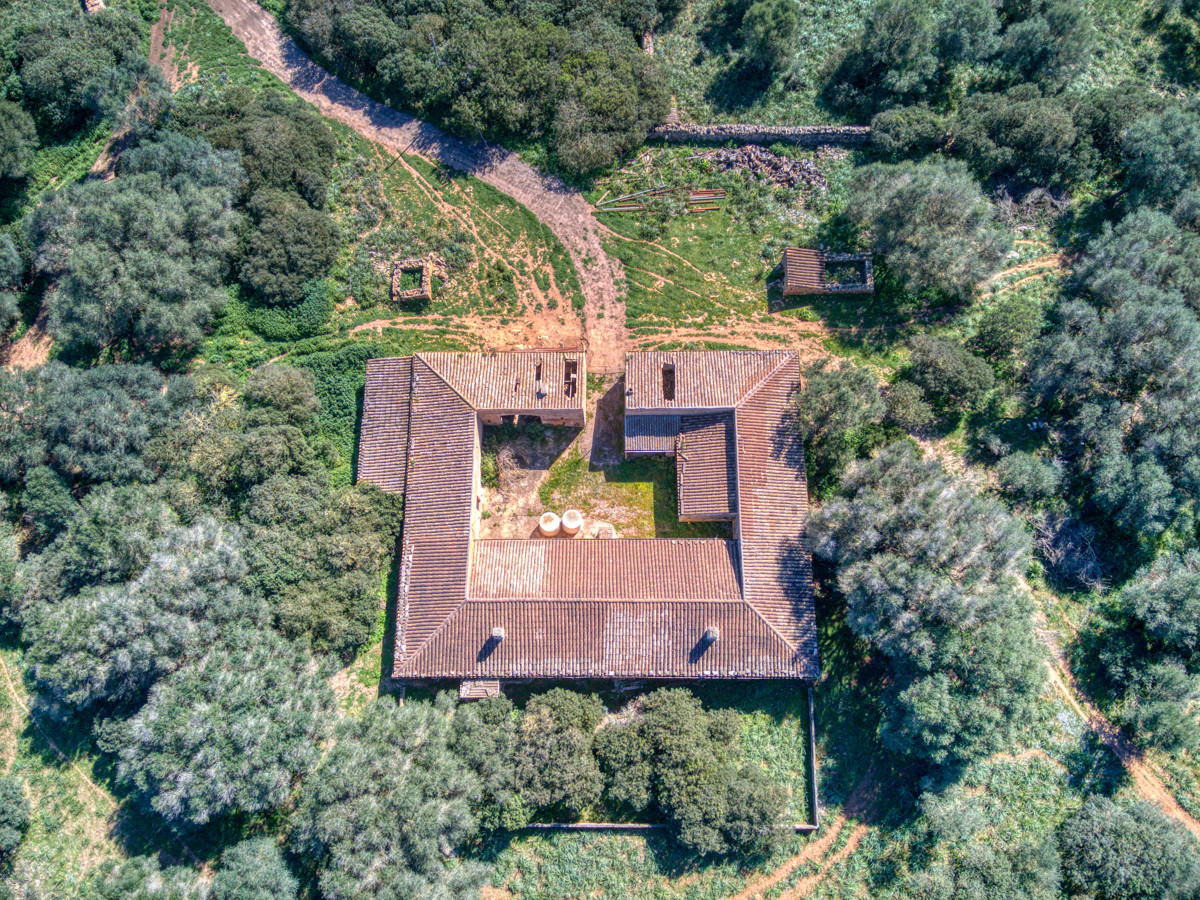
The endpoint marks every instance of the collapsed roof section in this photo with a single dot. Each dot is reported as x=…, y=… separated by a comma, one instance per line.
x=475, y=609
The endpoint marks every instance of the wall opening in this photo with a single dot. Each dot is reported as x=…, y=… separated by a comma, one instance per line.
x=668, y=381
x=570, y=376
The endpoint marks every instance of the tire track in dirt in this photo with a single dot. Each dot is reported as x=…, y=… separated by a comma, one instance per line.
x=1146, y=780
x=859, y=805
x=559, y=207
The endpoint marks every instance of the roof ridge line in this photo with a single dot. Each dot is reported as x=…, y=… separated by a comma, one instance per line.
x=444, y=380
x=788, y=356
x=750, y=392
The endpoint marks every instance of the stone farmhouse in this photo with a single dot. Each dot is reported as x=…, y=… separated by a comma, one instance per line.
x=485, y=611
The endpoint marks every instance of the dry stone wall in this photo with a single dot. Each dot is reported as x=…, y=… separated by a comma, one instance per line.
x=805, y=135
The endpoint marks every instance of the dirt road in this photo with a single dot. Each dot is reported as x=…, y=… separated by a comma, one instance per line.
x=562, y=209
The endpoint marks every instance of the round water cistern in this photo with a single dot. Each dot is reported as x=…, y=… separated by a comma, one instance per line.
x=572, y=521
x=549, y=524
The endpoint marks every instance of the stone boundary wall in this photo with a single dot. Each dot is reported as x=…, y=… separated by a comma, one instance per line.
x=805, y=135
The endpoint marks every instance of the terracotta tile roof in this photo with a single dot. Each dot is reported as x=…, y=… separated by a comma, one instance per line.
x=651, y=434
x=383, y=442
x=615, y=639
x=437, y=508
x=773, y=510
x=803, y=271
x=596, y=608
x=503, y=382
x=706, y=467
x=604, y=570
x=703, y=379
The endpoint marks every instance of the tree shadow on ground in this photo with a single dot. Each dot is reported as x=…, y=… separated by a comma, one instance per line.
x=740, y=86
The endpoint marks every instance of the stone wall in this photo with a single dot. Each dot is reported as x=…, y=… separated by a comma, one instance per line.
x=805, y=135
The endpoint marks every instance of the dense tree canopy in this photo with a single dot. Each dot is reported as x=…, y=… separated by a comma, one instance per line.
x=110, y=644
x=681, y=760
x=233, y=731
x=254, y=870
x=139, y=260
x=73, y=68
x=930, y=222
x=928, y=570
x=389, y=796
x=18, y=140
x=1123, y=370
x=1130, y=853
x=555, y=765
x=573, y=74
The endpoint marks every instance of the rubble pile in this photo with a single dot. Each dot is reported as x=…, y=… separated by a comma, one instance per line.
x=764, y=164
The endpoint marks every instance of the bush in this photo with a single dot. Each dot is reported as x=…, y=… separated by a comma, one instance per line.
x=892, y=62
x=906, y=406
x=1128, y=853
x=14, y=815
x=768, y=28
x=253, y=870
x=1028, y=476
x=950, y=375
x=1007, y=330
x=141, y=878
x=838, y=413
x=555, y=765
x=930, y=222
x=907, y=131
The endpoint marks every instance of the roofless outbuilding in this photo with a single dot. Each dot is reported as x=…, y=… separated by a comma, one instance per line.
x=818, y=272
x=586, y=607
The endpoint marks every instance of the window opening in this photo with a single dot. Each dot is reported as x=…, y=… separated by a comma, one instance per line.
x=570, y=376
x=668, y=381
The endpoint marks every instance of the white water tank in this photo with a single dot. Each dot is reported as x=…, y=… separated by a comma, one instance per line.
x=572, y=521
x=549, y=524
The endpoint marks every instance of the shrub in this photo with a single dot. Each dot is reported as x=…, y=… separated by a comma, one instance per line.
x=555, y=765
x=906, y=406
x=1007, y=330
x=253, y=870
x=1128, y=853
x=837, y=412
x=930, y=222
x=1028, y=476
x=951, y=375
x=768, y=27
x=14, y=815
x=907, y=131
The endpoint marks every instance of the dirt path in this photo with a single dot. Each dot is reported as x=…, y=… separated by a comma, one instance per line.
x=16, y=698
x=1146, y=780
x=31, y=350
x=860, y=804
x=562, y=209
